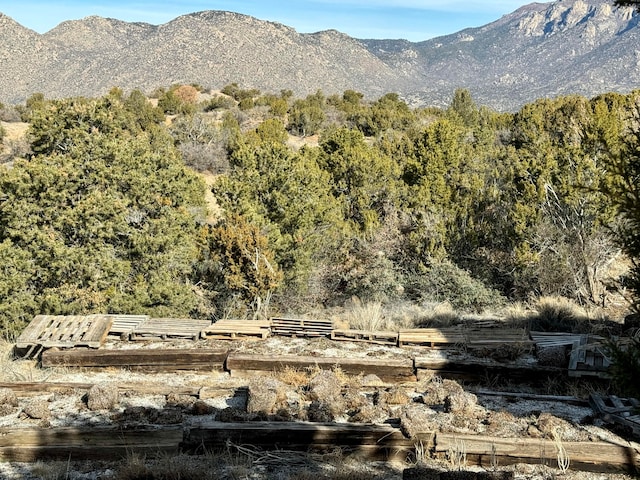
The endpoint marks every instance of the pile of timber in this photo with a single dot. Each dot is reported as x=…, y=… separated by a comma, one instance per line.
x=370, y=441
x=169, y=328
x=229, y=329
x=380, y=338
x=123, y=326
x=625, y=412
x=300, y=327
x=473, y=337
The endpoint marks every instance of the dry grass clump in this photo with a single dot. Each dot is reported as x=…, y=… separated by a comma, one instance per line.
x=37, y=409
x=559, y=314
x=266, y=395
x=8, y=402
x=102, y=396
x=441, y=314
x=416, y=419
x=366, y=316
x=504, y=424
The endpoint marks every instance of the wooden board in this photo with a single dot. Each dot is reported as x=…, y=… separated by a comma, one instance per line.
x=299, y=327
x=88, y=443
x=622, y=411
x=168, y=328
x=588, y=456
x=31, y=389
x=237, y=329
x=123, y=325
x=381, y=338
x=367, y=440
x=494, y=337
x=431, y=337
x=478, y=370
x=65, y=331
x=588, y=359
x=139, y=359
x=392, y=370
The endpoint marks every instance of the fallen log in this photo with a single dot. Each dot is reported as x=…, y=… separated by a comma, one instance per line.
x=156, y=360
x=391, y=370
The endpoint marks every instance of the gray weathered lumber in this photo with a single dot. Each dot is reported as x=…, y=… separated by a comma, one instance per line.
x=387, y=369
x=155, y=360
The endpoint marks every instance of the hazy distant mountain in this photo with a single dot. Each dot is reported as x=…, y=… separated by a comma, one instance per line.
x=569, y=46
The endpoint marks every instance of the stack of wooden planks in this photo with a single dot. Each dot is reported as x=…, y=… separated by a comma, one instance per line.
x=298, y=327
x=381, y=338
x=238, y=329
x=168, y=328
x=431, y=337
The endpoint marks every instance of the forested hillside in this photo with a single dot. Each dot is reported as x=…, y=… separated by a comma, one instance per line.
x=322, y=199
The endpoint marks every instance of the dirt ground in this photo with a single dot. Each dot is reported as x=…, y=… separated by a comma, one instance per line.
x=370, y=401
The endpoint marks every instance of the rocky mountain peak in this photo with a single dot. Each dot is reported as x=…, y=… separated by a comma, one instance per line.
x=584, y=47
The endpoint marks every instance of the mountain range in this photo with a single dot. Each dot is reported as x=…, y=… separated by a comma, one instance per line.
x=584, y=47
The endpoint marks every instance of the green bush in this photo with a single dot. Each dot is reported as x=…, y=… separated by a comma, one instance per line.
x=625, y=369
x=443, y=281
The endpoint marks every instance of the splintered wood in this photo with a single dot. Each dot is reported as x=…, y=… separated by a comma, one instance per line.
x=65, y=331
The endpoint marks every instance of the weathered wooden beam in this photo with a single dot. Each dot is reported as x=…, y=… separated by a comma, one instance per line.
x=29, y=389
x=387, y=369
x=138, y=359
x=586, y=456
x=87, y=443
x=469, y=369
x=368, y=440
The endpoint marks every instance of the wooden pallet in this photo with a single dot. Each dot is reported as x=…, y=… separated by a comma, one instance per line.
x=168, y=328
x=554, y=339
x=588, y=359
x=382, y=338
x=237, y=329
x=124, y=325
x=492, y=337
x=298, y=327
x=65, y=331
x=622, y=411
x=431, y=337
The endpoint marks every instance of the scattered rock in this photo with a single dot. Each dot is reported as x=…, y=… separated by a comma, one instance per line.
x=200, y=407
x=320, y=412
x=102, y=396
x=37, y=409
x=266, y=395
x=181, y=401
x=325, y=387
x=437, y=390
x=369, y=414
x=416, y=419
x=372, y=380
x=553, y=356
x=8, y=402
x=460, y=402
x=392, y=396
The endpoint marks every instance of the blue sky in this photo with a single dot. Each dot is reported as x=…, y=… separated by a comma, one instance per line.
x=414, y=20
